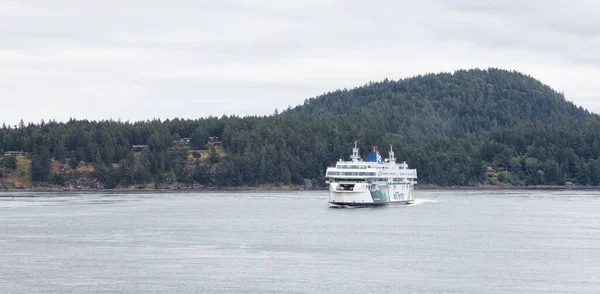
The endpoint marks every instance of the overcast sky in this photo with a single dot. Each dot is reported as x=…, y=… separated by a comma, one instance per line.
x=145, y=59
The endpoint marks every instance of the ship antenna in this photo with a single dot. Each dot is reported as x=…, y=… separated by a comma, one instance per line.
x=355, y=156
x=392, y=157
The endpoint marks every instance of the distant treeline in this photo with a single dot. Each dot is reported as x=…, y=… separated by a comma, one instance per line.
x=464, y=128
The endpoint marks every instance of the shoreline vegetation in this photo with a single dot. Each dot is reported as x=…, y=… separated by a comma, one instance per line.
x=507, y=187
x=197, y=188
x=470, y=129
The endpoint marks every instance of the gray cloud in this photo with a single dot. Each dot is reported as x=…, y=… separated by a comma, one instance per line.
x=138, y=60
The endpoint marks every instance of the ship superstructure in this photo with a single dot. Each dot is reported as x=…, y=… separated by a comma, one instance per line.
x=374, y=181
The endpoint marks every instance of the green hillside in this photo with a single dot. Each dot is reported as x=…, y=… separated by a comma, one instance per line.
x=471, y=127
x=458, y=104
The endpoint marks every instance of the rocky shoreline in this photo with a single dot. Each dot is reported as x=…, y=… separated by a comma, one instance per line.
x=507, y=187
x=162, y=188
x=148, y=188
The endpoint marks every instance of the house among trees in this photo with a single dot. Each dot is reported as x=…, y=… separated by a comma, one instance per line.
x=182, y=142
x=14, y=153
x=138, y=148
x=214, y=141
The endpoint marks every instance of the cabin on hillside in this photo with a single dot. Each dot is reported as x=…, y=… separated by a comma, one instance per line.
x=14, y=153
x=138, y=148
x=214, y=141
x=182, y=142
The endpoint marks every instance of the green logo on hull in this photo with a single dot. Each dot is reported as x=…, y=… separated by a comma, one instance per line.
x=379, y=193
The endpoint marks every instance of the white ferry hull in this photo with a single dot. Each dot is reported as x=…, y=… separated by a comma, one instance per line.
x=354, y=204
x=363, y=194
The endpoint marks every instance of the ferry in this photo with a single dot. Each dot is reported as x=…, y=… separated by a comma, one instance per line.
x=373, y=182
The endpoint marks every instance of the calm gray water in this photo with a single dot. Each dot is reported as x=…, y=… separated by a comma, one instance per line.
x=239, y=242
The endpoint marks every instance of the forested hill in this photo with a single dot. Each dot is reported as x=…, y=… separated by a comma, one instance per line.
x=470, y=127
x=458, y=104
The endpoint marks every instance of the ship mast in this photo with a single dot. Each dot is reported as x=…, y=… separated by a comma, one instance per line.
x=355, y=157
x=392, y=157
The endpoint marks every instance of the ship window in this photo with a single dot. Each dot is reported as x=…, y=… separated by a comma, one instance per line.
x=349, y=173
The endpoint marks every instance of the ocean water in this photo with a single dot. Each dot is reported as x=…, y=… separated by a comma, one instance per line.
x=449, y=241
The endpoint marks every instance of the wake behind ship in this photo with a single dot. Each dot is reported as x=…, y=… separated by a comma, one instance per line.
x=375, y=181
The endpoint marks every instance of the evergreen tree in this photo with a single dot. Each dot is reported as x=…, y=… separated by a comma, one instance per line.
x=452, y=127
